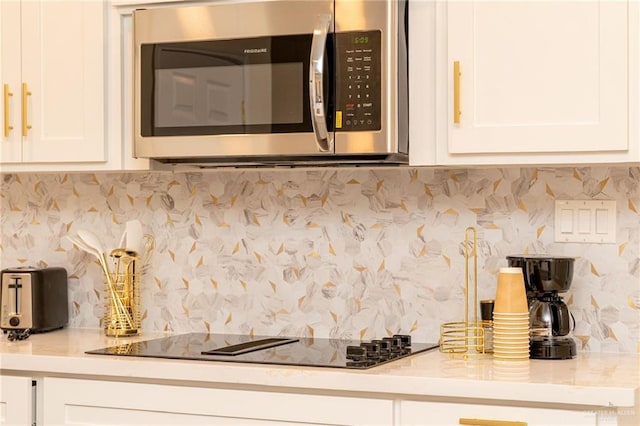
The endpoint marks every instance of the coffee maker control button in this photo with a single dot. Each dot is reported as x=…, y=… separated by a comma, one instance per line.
x=14, y=321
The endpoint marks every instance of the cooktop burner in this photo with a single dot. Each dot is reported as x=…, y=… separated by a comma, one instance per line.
x=272, y=350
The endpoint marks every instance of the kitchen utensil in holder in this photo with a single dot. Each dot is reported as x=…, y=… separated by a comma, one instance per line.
x=122, y=301
x=470, y=336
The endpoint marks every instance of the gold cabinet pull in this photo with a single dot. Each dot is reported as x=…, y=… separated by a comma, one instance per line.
x=25, y=120
x=456, y=92
x=489, y=422
x=7, y=126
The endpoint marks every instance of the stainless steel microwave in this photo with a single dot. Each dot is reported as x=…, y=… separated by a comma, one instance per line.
x=272, y=82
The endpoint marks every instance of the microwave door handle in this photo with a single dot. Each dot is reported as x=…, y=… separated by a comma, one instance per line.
x=324, y=139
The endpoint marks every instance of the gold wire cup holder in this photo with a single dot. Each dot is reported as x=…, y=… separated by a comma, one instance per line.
x=471, y=336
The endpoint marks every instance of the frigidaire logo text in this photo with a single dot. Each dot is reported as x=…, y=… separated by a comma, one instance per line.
x=258, y=50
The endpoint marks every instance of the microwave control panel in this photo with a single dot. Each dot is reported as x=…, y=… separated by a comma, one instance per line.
x=358, y=88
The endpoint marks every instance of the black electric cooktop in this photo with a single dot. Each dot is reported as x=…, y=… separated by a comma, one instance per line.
x=273, y=350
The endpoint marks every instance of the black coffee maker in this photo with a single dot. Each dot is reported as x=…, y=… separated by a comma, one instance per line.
x=550, y=322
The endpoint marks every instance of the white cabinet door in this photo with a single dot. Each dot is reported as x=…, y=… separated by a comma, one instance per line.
x=538, y=82
x=53, y=59
x=90, y=402
x=16, y=401
x=442, y=414
x=10, y=78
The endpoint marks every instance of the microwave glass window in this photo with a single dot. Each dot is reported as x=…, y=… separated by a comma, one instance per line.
x=237, y=86
x=234, y=95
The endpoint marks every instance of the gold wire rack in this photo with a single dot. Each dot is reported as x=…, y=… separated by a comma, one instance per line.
x=471, y=336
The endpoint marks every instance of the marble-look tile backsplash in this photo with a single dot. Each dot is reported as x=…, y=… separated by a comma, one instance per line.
x=346, y=252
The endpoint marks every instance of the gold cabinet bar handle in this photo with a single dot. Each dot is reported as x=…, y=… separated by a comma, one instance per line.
x=489, y=422
x=25, y=120
x=7, y=126
x=456, y=92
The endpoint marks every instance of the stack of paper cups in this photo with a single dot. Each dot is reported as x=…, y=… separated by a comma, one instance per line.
x=511, y=317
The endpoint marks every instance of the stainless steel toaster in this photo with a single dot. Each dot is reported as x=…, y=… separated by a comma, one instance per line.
x=33, y=300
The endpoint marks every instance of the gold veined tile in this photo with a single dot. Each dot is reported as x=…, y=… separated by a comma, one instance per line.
x=427, y=191
x=353, y=182
x=363, y=333
x=632, y=207
x=423, y=251
x=193, y=247
x=214, y=283
x=398, y=289
x=414, y=326
x=229, y=319
x=36, y=187
x=450, y=211
x=185, y=282
x=496, y=184
x=236, y=248
x=300, y=301
x=243, y=284
x=583, y=340
x=360, y=268
x=185, y=310
x=379, y=185
x=273, y=286
x=172, y=255
x=331, y=249
x=633, y=303
x=158, y=282
x=413, y=175
x=311, y=331
x=258, y=256
x=419, y=230
x=594, y=271
x=403, y=206
x=603, y=183
x=576, y=175
x=549, y=191
x=522, y=206
x=280, y=249
x=453, y=176
x=621, y=248
x=334, y=316
x=207, y=325
x=447, y=260
x=594, y=303
x=539, y=231
x=200, y=262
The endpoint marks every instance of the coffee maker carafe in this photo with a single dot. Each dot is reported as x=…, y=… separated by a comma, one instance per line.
x=550, y=321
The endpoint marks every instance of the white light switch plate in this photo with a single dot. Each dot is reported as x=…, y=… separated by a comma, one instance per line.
x=585, y=221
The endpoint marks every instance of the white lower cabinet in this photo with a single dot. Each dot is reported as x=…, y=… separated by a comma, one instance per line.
x=441, y=414
x=16, y=400
x=92, y=402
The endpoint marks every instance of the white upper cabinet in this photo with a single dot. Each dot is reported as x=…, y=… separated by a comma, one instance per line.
x=53, y=65
x=524, y=82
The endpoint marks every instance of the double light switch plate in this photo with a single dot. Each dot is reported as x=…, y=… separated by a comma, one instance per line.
x=585, y=221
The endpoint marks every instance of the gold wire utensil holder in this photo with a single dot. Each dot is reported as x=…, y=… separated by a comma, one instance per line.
x=122, y=303
x=469, y=336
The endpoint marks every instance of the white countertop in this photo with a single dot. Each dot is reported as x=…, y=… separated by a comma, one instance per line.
x=601, y=379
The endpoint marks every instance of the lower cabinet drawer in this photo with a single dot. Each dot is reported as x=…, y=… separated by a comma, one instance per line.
x=96, y=402
x=441, y=414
